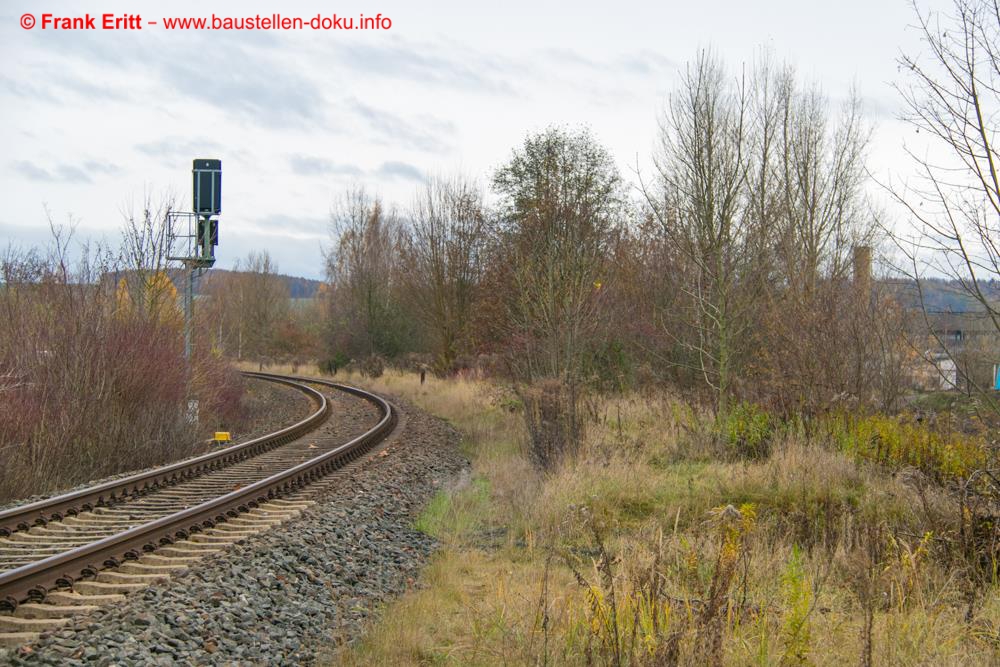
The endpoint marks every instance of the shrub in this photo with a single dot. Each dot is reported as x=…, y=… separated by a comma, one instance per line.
x=332, y=364
x=92, y=385
x=373, y=367
x=550, y=414
x=219, y=389
x=747, y=431
x=798, y=594
x=625, y=619
x=900, y=441
x=609, y=367
x=100, y=392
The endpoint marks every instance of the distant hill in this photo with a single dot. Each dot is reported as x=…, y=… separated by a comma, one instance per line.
x=298, y=288
x=939, y=295
x=301, y=288
x=944, y=296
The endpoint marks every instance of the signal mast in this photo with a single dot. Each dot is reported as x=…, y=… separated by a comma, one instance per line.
x=198, y=232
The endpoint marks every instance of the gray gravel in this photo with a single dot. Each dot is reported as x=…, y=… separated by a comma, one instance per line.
x=267, y=407
x=279, y=597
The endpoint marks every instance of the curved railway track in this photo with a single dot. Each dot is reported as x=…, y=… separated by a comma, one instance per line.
x=117, y=537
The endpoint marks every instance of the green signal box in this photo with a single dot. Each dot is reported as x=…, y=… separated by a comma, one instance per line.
x=208, y=235
x=207, y=194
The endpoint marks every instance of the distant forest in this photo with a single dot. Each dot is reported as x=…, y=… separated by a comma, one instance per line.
x=298, y=288
x=939, y=295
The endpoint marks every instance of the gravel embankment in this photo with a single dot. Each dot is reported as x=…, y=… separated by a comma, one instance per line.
x=280, y=596
x=268, y=407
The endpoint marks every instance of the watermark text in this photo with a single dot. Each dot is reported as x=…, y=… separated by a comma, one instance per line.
x=55, y=22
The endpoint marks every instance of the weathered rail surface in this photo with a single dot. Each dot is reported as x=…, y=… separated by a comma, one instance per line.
x=69, y=539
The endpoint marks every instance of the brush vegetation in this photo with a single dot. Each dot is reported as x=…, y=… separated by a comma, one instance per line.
x=676, y=538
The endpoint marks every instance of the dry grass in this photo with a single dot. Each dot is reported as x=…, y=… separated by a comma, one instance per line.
x=530, y=563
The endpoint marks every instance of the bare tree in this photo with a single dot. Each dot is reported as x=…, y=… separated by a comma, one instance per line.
x=145, y=282
x=816, y=216
x=952, y=96
x=221, y=314
x=826, y=212
x=698, y=200
x=246, y=308
x=759, y=204
x=442, y=257
x=363, y=271
x=264, y=298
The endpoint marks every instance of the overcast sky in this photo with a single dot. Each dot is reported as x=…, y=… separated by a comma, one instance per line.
x=93, y=119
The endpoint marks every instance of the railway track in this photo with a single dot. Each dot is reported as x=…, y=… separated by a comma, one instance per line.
x=67, y=554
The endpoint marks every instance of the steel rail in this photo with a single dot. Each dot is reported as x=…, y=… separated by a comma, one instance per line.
x=32, y=581
x=56, y=508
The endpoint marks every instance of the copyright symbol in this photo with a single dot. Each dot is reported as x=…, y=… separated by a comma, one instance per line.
x=27, y=21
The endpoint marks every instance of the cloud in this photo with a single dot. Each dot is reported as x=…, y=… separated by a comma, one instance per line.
x=244, y=74
x=101, y=167
x=394, y=130
x=309, y=165
x=177, y=148
x=297, y=226
x=249, y=82
x=425, y=63
x=84, y=89
x=402, y=170
x=71, y=174
x=60, y=88
x=643, y=63
x=126, y=49
x=569, y=57
x=62, y=173
x=31, y=171
x=27, y=90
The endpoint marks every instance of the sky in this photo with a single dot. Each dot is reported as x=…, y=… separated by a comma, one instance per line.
x=92, y=121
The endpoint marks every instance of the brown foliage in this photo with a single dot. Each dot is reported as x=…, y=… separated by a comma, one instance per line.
x=89, y=388
x=834, y=347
